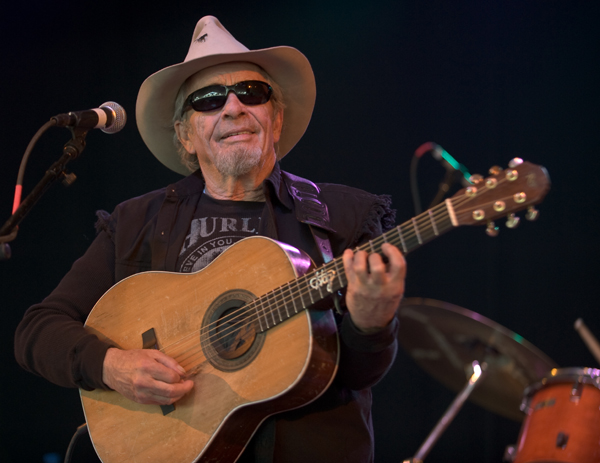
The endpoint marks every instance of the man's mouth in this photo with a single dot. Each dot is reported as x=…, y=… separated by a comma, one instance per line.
x=233, y=134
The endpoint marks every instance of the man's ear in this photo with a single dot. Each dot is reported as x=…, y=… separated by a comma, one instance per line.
x=183, y=134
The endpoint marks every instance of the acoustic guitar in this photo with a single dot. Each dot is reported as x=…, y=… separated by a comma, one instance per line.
x=253, y=330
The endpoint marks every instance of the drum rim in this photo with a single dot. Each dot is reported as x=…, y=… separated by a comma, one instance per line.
x=584, y=375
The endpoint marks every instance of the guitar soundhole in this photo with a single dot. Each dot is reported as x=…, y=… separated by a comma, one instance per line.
x=229, y=335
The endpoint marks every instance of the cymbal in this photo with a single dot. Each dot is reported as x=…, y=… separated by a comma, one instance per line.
x=445, y=339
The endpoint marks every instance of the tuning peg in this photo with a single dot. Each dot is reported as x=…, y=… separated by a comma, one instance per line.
x=512, y=221
x=475, y=179
x=512, y=175
x=515, y=162
x=494, y=170
x=471, y=191
x=532, y=214
x=520, y=197
x=491, y=183
x=492, y=230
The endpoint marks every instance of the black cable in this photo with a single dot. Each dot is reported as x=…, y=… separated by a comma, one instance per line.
x=28, y=150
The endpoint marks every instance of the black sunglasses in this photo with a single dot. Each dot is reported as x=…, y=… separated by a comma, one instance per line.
x=249, y=92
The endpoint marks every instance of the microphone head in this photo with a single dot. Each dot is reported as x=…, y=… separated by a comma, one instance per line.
x=119, y=117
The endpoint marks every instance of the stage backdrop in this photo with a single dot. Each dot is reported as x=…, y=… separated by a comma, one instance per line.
x=487, y=80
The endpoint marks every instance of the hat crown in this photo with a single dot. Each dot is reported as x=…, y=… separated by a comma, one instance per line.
x=211, y=38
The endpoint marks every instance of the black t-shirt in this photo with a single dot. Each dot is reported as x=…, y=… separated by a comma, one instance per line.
x=217, y=224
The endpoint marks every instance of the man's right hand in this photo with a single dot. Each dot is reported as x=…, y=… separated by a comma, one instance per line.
x=146, y=376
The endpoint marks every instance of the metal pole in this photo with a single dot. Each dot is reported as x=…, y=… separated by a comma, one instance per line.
x=451, y=412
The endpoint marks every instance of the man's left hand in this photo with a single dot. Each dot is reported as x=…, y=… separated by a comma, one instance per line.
x=375, y=288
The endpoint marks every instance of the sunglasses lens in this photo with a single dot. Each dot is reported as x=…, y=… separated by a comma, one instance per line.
x=209, y=98
x=251, y=92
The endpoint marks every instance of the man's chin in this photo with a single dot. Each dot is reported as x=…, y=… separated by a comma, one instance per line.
x=238, y=162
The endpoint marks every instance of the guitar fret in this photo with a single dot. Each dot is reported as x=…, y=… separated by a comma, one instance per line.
x=435, y=230
x=321, y=292
x=401, y=238
x=338, y=272
x=414, y=221
x=278, y=301
x=287, y=313
x=371, y=246
x=267, y=311
x=272, y=316
x=264, y=313
x=301, y=295
x=294, y=297
x=258, y=318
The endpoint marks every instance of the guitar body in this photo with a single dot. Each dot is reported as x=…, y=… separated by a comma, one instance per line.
x=236, y=387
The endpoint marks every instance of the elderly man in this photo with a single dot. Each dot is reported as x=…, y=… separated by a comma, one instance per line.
x=233, y=114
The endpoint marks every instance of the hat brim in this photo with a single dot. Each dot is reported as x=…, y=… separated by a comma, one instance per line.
x=288, y=67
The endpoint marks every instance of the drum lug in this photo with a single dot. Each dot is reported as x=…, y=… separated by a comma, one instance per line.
x=524, y=407
x=561, y=440
x=510, y=453
x=576, y=391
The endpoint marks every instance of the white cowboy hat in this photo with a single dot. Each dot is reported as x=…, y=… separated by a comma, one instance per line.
x=212, y=44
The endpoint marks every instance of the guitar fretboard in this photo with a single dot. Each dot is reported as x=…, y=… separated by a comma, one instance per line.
x=290, y=299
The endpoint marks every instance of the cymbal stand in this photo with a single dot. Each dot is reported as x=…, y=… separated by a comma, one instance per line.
x=588, y=338
x=477, y=375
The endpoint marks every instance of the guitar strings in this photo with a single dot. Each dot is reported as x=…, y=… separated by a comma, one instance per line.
x=250, y=313
x=267, y=299
x=251, y=316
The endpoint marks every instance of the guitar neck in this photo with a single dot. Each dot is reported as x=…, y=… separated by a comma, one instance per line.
x=304, y=292
x=503, y=193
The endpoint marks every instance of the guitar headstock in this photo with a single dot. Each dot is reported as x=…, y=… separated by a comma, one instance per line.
x=503, y=193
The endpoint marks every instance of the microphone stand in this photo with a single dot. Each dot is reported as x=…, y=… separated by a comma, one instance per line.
x=478, y=373
x=71, y=150
x=449, y=180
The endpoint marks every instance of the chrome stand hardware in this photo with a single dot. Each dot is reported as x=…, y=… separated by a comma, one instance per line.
x=478, y=373
x=510, y=453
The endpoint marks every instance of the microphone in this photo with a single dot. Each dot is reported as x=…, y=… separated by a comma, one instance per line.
x=451, y=164
x=110, y=117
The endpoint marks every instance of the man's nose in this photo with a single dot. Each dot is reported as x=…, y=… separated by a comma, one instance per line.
x=233, y=107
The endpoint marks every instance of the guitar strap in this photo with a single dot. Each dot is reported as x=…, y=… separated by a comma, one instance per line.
x=312, y=210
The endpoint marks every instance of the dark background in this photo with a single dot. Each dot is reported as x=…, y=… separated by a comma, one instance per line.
x=487, y=80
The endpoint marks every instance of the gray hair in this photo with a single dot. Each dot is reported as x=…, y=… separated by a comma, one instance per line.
x=190, y=161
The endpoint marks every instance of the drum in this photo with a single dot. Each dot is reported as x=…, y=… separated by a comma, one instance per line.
x=563, y=418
